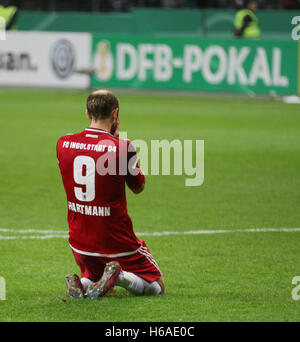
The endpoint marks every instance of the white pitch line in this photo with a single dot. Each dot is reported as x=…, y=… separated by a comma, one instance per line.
x=32, y=237
x=28, y=231
x=50, y=234
x=222, y=231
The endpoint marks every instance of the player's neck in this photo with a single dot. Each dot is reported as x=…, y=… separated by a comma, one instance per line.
x=104, y=125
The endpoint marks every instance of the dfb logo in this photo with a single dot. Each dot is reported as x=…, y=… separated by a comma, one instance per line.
x=63, y=58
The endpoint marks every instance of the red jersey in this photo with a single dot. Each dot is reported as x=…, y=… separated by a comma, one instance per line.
x=95, y=166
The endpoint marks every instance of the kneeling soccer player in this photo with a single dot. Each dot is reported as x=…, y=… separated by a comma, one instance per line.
x=100, y=230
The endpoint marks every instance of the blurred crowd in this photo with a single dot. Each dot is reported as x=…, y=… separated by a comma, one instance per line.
x=126, y=5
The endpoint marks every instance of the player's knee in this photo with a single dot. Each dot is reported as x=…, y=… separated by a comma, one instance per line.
x=153, y=289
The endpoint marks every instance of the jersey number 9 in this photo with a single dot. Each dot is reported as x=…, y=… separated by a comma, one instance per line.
x=84, y=175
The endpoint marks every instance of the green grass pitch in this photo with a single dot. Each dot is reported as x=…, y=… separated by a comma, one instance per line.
x=252, y=180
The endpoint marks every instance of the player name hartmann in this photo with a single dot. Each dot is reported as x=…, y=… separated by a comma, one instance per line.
x=91, y=210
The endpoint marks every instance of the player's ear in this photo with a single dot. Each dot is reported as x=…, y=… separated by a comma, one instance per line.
x=115, y=114
x=88, y=115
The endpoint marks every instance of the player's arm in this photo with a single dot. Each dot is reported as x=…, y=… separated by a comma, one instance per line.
x=135, y=178
x=139, y=185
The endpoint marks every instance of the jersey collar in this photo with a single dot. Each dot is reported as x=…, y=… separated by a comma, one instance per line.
x=98, y=130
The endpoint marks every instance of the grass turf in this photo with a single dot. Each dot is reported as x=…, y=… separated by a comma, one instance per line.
x=252, y=179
